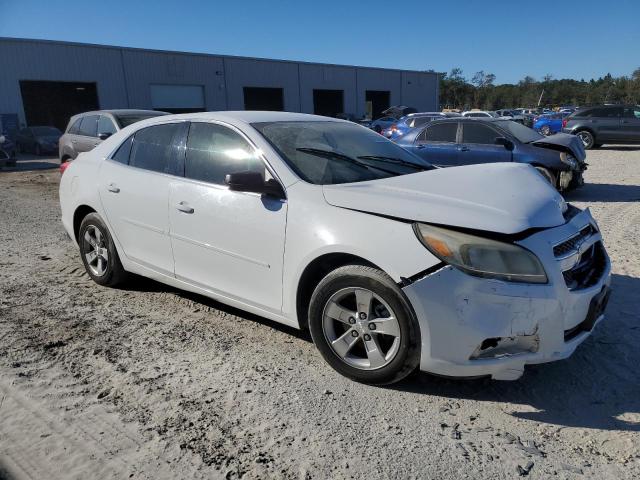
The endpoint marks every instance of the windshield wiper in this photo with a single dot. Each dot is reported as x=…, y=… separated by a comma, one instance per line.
x=341, y=156
x=397, y=161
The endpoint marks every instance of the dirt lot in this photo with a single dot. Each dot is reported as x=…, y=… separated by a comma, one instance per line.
x=150, y=382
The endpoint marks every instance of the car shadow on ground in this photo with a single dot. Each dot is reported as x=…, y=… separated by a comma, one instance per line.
x=597, y=387
x=27, y=162
x=621, y=148
x=604, y=192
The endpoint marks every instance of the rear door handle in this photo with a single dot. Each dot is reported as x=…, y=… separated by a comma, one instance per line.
x=184, y=207
x=113, y=188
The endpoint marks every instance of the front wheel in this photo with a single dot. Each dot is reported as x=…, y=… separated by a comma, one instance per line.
x=363, y=325
x=545, y=130
x=587, y=139
x=98, y=252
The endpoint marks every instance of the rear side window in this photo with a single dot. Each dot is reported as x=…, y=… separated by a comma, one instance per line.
x=89, y=126
x=105, y=125
x=213, y=151
x=122, y=154
x=440, y=132
x=632, y=112
x=75, y=128
x=153, y=148
x=478, y=133
x=600, y=112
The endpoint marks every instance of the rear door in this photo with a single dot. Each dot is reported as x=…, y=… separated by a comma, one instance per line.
x=134, y=189
x=606, y=123
x=87, y=136
x=478, y=145
x=631, y=124
x=437, y=144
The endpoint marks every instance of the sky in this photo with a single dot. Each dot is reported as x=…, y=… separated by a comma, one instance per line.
x=510, y=38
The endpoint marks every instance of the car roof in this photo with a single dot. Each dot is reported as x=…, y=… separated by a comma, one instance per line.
x=123, y=111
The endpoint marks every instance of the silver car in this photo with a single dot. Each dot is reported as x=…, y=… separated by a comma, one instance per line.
x=87, y=130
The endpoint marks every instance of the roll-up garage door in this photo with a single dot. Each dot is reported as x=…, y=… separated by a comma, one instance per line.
x=178, y=98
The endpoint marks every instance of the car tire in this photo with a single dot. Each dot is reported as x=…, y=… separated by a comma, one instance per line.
x=545, y=130
x=98, y=252
x=548, y=175
x=376, y=343
x=588, y=141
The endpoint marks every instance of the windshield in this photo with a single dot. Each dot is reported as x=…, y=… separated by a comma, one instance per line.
x=126, y=120
x=522, y=133
x=326, y=153
x=46, y=131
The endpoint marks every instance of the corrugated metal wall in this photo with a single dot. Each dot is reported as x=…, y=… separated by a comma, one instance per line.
x=124, y=75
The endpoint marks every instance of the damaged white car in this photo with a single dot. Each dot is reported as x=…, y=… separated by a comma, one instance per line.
x=318, y=223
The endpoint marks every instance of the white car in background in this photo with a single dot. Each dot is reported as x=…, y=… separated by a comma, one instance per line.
x=320, y=223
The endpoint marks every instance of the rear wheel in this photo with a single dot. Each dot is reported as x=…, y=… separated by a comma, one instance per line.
x=363, y=325
x=548, y=175
x=587, y=139
x=98, y=252
x=545, y=130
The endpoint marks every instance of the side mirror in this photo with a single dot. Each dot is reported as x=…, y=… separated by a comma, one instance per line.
x=254, y=182
x=104, y=136
x=505, y=142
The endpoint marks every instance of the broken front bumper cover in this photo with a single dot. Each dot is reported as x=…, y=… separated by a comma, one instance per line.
x=473, y=326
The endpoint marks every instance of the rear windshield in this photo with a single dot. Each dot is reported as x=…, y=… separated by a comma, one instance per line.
x=522, y=133
x=126, y=120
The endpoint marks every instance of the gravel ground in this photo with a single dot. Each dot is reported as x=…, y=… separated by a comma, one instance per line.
x=150, y=382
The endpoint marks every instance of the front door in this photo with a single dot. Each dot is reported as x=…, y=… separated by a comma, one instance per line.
x=134, y=189
x=228, y=242
x=437, y=144
x=631, y=124
x=478, y=145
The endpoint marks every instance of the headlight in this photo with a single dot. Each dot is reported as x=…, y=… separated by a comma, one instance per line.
x=568, y=159
x=482, y=257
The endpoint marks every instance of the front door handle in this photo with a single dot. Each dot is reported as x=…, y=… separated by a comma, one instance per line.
x=463, y=148
x=113, y=188
x=184, y=207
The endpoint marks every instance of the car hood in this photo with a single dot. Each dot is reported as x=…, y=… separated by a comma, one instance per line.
x=564, y=143
x=497, y=197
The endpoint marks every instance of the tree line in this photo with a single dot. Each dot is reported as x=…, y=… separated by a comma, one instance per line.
x=456, y=91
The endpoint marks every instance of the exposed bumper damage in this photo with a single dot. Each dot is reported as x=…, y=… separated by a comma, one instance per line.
x=472, y=326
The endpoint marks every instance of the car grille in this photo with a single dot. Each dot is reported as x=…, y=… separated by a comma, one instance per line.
x=589, y=268
x=573, y=244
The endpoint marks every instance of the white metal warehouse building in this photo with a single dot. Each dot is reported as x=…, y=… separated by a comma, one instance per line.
x=45, y=82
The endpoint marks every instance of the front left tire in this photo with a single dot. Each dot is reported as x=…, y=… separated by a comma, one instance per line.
x=98, y=252
x=364, y=326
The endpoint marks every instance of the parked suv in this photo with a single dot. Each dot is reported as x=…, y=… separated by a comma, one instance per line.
x=605, y=124
x=87, y=130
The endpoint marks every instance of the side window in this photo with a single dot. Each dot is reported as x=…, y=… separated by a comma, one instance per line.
x=75, y=128
x=89, y=126
x=213, y=151
x=153, y=148
x=122, y=154
x=632, y=112
x=440, y=132
x=604, y=112
x=478, y=133
x=105, y=125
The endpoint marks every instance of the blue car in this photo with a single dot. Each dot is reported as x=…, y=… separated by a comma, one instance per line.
x=413, y=120
x=465, y=141
x=550, y=123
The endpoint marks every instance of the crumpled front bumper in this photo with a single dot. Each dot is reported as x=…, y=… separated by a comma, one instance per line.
x=472, y=326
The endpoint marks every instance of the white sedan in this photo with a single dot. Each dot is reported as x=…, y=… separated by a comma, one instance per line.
x=319, y=223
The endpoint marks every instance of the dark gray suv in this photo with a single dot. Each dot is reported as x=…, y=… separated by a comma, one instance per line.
x=605, y=124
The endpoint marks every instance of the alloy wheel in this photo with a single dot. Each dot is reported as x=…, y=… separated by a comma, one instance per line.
x=361, y=328
x=95, y=250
